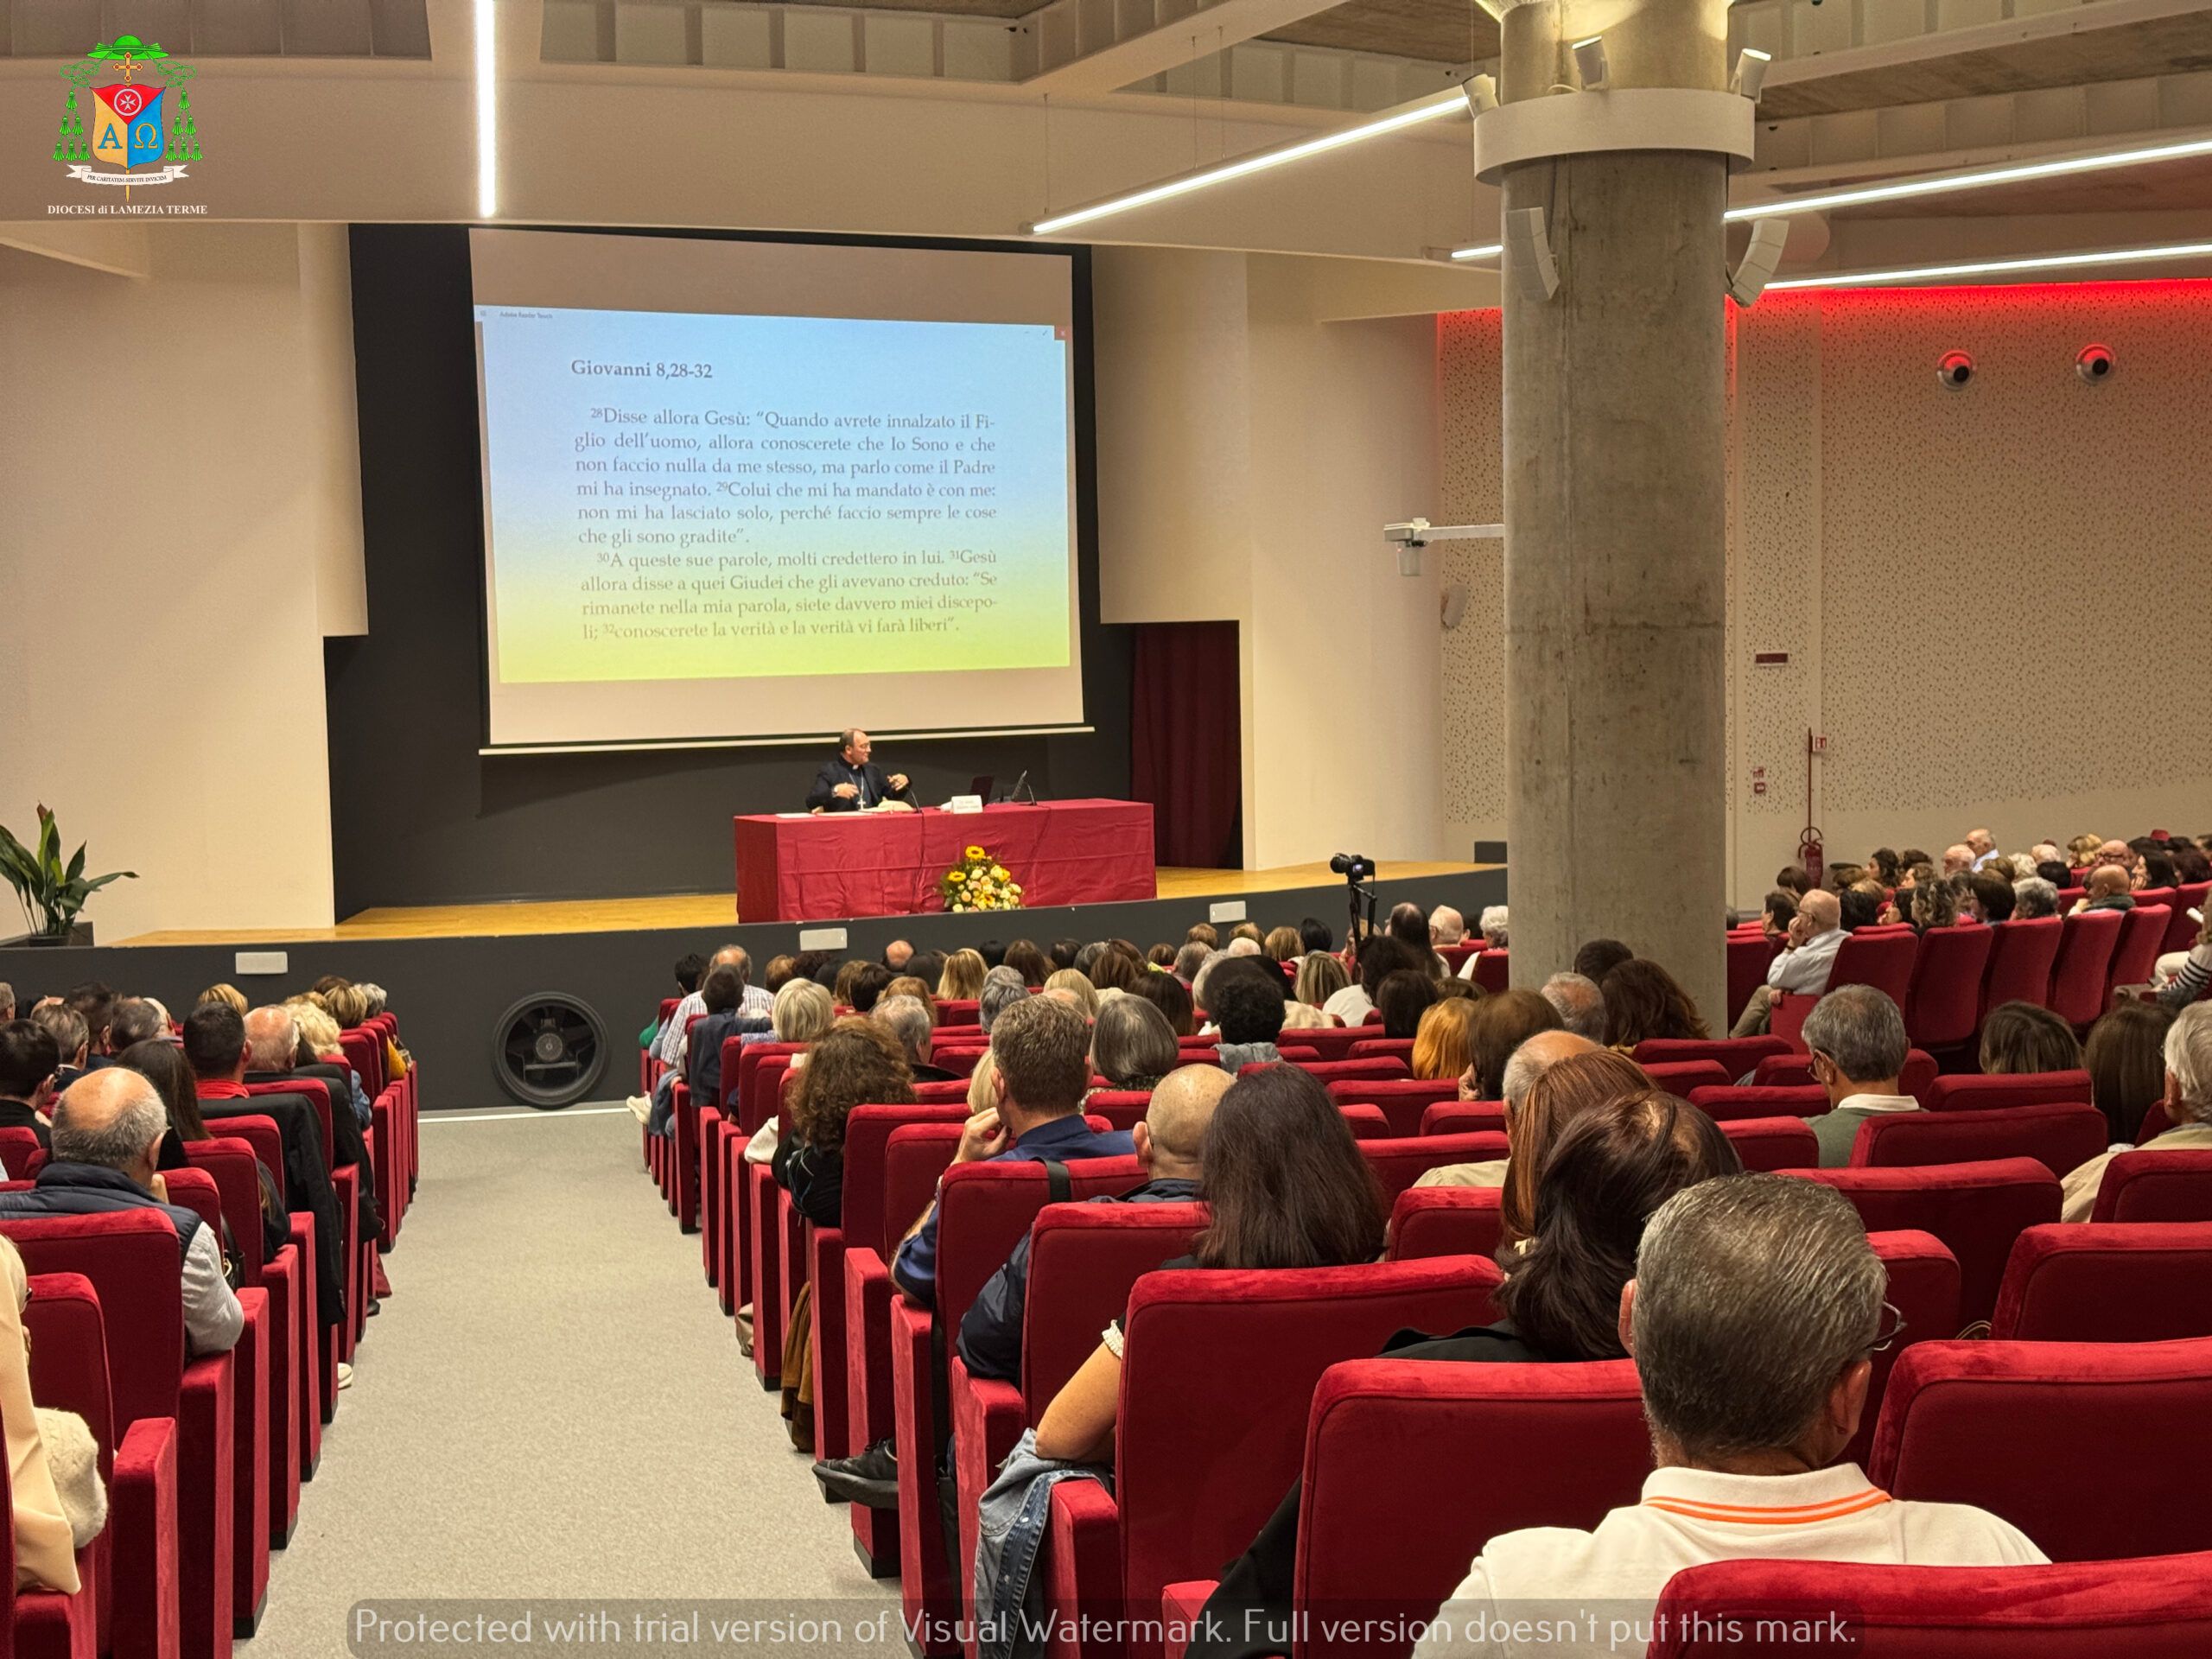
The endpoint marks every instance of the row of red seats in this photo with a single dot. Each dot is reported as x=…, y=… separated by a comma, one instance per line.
x=204, y=1457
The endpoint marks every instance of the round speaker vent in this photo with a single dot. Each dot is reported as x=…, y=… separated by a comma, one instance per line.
x=549, y=1049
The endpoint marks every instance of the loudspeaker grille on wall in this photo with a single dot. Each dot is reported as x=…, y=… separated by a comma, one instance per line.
x=548, y=1049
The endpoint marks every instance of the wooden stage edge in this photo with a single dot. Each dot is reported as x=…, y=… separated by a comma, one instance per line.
x=712, y=910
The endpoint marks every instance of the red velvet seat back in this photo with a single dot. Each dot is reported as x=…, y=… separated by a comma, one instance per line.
x=763, y=1091
x=2181, y=930
x=1923, y=1287
x=1494, y=970
x=940, y=1093
x=1750, y=955
x=1681, y=1077
x=1455, y=955
x=1123, y=1108
x=1795, y=1071
x=2173, y=1185
x=1881, y=960
x=1463, y=1117
x=1736, y=1055
x=957, y=1011
x=1335, y=1042
x=983, y=1210
x=313, y=1090
x=364, y=1052
x=2105, y=1281
x=2020, y=958
x=914, y=1157
x=229, y=1163
x=1724, y=1105
x=1974, y=1092
x=1977, y=1210
x=868, y=1134
x=1218, y=1372
x=1084, y=1259
x=1447, y=1221
x=2158, y=1609
x=264, y=1137
x=132, y=1259
x=20, y=1153
x=1773, y=1142
x=1402, y=1101
x=2142, y=936
x=68, y=1356
x=1943, y=1005
x=2082, y=969
x=732, y=1075
x=1411, y=1467
x=2092, y=1449
x=1377, y=1071
x=2058, y=1135
x=1383, y=1048
x=1398, y=1163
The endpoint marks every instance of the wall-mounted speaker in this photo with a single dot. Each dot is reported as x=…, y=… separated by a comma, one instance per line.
x=549, y=1049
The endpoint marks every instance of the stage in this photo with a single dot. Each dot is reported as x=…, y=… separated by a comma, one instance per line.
x=456, y=972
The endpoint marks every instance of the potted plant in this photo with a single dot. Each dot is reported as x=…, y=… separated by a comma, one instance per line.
x=50, y=893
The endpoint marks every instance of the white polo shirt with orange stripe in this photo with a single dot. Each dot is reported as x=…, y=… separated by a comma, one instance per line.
x=1555, y=1591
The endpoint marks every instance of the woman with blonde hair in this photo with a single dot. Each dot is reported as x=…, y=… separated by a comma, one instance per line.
x=225, y=993
x=1320, y=976
x=801, y=1012
x=1444, y=1042
x=908, y=985
x=1077, y=986
x=1304, y=1016
x=1282, y=944
x=963, y=979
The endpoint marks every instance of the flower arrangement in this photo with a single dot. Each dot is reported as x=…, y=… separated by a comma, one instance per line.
x=977, y=883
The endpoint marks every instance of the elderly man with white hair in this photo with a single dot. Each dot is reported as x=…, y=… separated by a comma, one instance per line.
x=1492, y=927
x=1445, y=926
x=107, y=1137
x=1802, y=969
x=2189, y=1104
x=908, y=1023
x=1983, y=846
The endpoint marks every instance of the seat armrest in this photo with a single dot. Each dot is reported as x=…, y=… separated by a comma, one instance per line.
x=206, y=1411
x=1179, y=1607
x=868, y=1294
x=1082, y=1568
x=142, y=1524
x=987, y=1418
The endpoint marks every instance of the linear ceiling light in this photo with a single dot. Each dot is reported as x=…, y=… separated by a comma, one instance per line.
x=1452, y=102
x=487, y=112
x=1935, y=184
x=1488, y=250
x=2000, y=267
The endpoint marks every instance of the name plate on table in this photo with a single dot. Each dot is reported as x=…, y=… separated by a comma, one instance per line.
x=964, y=804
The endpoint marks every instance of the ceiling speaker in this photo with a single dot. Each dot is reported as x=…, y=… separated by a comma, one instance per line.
x=549, y=1049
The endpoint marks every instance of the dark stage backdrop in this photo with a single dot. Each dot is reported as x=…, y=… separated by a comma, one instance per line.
x=416, y=816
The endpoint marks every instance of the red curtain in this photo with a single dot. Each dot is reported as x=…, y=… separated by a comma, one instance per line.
x=1187, y=741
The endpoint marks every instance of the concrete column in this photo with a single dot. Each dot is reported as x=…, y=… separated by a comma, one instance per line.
x=1616, y=520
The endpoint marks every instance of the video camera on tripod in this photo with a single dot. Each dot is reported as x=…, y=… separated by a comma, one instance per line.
x=1358, y=870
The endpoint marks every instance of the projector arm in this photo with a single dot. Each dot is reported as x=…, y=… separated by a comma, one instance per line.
x=1416, y=534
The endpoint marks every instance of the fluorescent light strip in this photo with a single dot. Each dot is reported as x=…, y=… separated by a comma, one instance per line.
x=1427, y=108
x=1488, y=250
x=1999, y=267
x=487, y=111
x=1935, y=184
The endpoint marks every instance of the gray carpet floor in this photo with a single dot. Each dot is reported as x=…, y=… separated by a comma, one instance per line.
x=551, y=1407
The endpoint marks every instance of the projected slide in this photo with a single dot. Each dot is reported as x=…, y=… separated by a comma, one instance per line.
x=755, y=522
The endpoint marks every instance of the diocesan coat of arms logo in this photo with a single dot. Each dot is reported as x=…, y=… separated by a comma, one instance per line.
x=138, y=128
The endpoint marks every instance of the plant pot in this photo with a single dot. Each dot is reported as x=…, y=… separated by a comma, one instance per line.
x=80, y=935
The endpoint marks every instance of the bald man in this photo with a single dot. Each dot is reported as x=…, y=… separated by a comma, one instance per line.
x=1535, y=1056
x=1169, y=1142
x=1956, y=857
x=107, y=1135
x=2105, y=889
x=1802, y=969
x=272, y=1039
x=1982, y=845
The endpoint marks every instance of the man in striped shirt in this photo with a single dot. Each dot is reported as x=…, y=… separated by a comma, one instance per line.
x=1753, y=1319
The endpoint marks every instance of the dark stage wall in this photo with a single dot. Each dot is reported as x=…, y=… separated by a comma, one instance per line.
x=450, y=993
x=417, y=815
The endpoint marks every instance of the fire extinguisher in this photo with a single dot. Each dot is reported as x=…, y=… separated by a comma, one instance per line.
x=1808, y=844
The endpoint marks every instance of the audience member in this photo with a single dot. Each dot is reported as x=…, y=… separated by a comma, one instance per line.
x=1859, y=905
x=1886, y=866
x=1560, y=1301
x=163, y=1064
x=963, y=978
x=1956, y=857
x=928, y=966
x=1003, y=989
x=1801, y=969
x=1304, y=1016
x=2188, y=1055
x=1073, y=985
x=1170, y=1144
x=1189, y=959
x=1755, y=1311
x=906, y=1022
x=2184, y=977
x=1408, y=926
x=2126, y=1058
x=1248, y=1007
x=66, y=1026
x=1578, y=1003
x=1599, y=957
x=1402, y=999
x=1282, y=945
x=1444, y=1042
x=1320, y=976
x=2020, y=1037
x=1495, y=933
x=1116, y=970
x=29, y=1059
x=1062, y=952
x=2032, y=898
x=1379, y=958
x=1286, y=1186
x=1934, y=904
x=1858, y=1046
x=1993, y=898
x=1794, y=879
x=1644, y=1002
x=1779, y=910
x=2108, y=888
x=896, y=955
x=1502, y=1024
x=58, y=1505
x=1025, y=959
x=1173, y=998
x=1445, y=926
x=1981, y=847
x=1551, y=1079
x=1162, y=956
x=801, y=1012
x=107, y=1135
x=7, y=1001
x=668, y=1047
x=866, y=989
x=1203, y=933
x=1131, y=1043
x=1247, y=930
x=908, y=985
x=1316, y=935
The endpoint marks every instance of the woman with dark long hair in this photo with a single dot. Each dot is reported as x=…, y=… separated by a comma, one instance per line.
x=1287, y=1188
x=1643, y=1000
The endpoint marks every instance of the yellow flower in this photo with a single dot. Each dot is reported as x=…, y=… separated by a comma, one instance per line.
x=998, y=872
x=974, y=852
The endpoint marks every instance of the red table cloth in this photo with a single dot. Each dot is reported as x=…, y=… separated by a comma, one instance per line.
x=841, y=865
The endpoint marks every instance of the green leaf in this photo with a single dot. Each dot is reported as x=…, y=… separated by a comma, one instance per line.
x=49, y=844
x=76, y=864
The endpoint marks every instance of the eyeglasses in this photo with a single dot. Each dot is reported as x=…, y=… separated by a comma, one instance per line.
x=1884, y=1339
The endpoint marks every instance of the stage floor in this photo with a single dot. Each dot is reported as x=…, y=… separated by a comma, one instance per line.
x=711, y=910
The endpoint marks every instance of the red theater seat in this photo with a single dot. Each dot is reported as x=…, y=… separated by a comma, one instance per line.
x=1923, y=1287
x=1360, y=1071
x=2092, y=1449
x=1335, y=1042
x=1737, y=1056
x=2181, y=929
x=2156, y=1185
x=1977, y=1210
x=20, y=1153
x=2142, y=936
x=2107, y=1282
x=1942, y=1003
x=1724, y=1105
x=1206, y=1349
x=957, y=1011
x=1463, y=1117
x=2082, y=968
x=2060, y=1137
x=1447, y=1221
x=1750, y=955
x=2021, y=955
x=1382, y=1048
x=2158, y=1609
x=1398, y=1163
x=1402, y=1101
x=1773, y=1142
x=1881, y=960
x=1972, y=1092
x=1123, y=1108
x=1494, y=970
x=1682, y=1077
